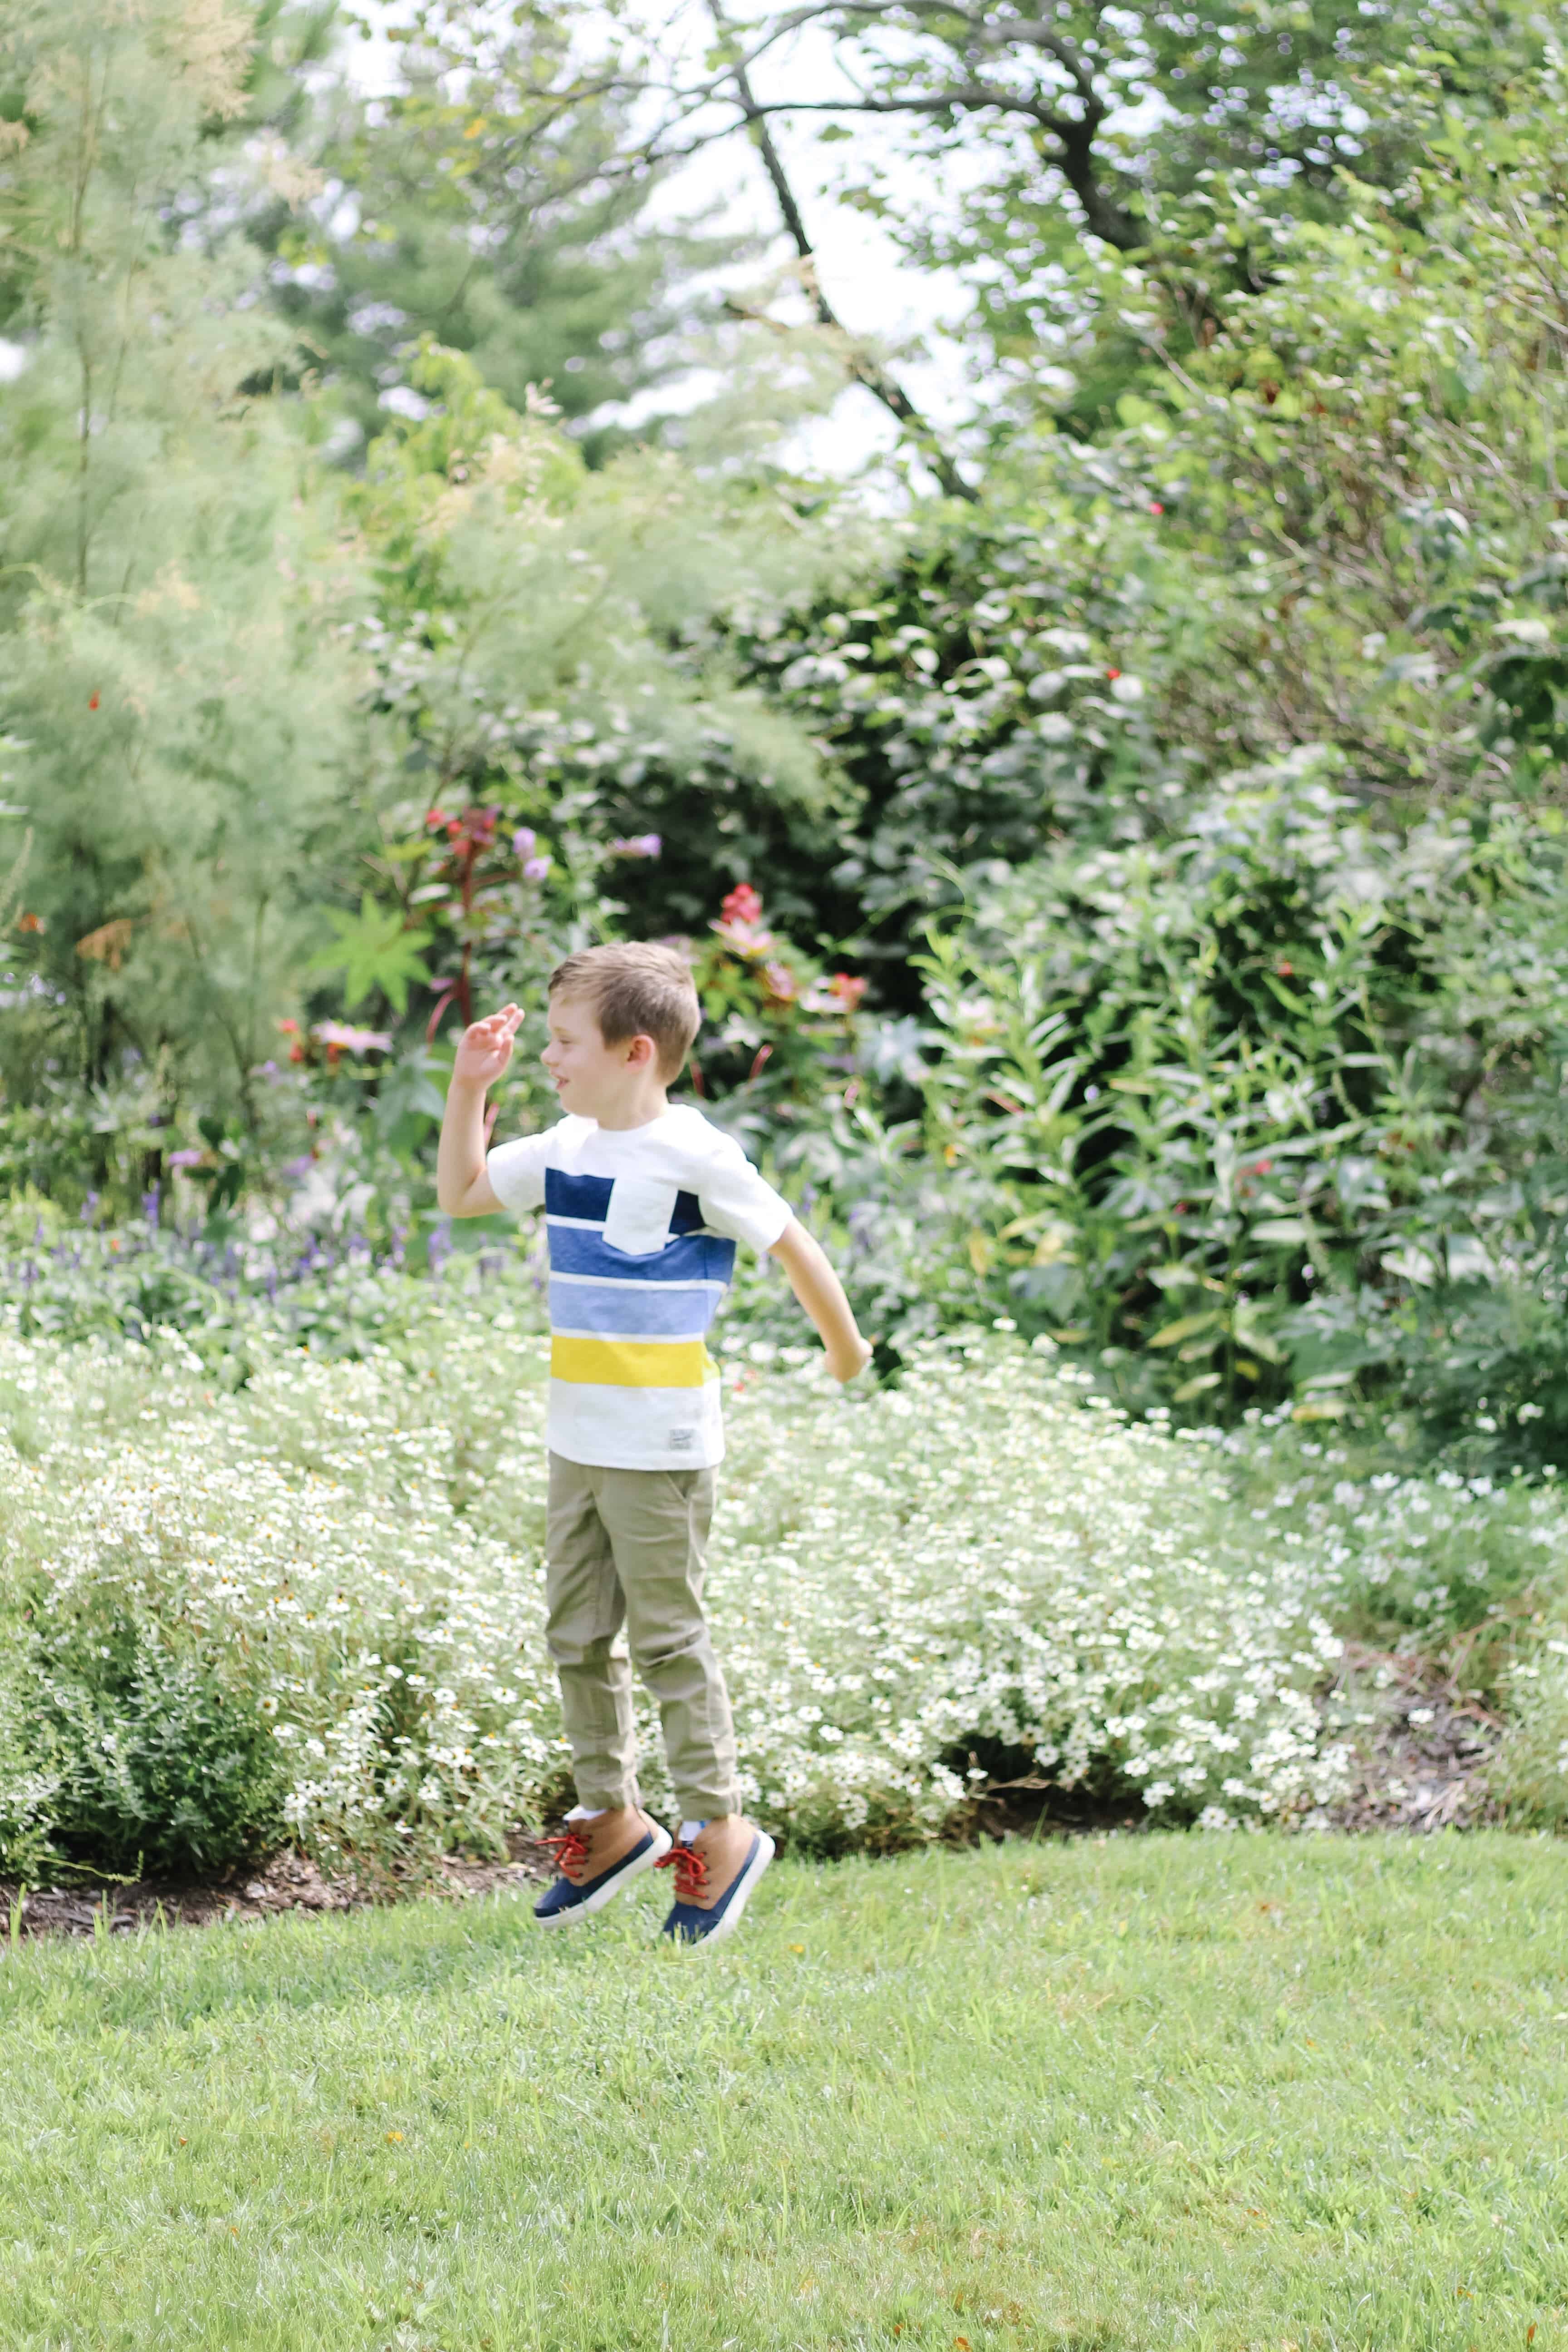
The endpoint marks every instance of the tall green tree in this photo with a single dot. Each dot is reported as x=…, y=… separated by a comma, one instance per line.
x=1046, y=139
x=484, y=203
x=181, y=676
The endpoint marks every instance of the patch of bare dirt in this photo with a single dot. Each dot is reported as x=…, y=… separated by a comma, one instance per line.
x=287, y=1882
x=1423, y=1745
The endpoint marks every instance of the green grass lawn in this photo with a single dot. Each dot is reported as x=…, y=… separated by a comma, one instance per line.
x=1161, y=2092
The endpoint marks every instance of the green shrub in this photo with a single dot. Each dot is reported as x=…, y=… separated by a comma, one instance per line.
x=1274, y=1103
x=157, y=1761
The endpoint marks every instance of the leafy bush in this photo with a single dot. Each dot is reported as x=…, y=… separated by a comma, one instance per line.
x=1275, y=1101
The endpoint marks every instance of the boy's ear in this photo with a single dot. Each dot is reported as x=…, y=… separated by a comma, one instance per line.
x=640, y=1052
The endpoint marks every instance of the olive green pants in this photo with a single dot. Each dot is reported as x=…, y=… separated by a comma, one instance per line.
x=624, y=1556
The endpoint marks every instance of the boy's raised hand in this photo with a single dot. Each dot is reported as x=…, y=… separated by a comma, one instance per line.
x=484, y=1049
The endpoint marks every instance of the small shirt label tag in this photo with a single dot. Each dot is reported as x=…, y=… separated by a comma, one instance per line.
x=682, y=1441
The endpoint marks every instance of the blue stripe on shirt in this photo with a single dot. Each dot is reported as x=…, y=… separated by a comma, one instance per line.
x=690, y=1257
x=637, y=1310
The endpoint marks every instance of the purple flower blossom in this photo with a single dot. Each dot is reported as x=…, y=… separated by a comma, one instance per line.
x=536, y=868
x=186, y=1157
x=523, y=839
x=637, y=844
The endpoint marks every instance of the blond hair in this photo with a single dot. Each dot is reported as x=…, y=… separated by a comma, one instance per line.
x=636, y=990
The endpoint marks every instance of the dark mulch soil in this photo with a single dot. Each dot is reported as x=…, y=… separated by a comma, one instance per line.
x=89, y=1905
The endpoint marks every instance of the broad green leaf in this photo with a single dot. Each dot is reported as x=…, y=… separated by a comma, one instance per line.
x=1184, y=1328
x=373, y=950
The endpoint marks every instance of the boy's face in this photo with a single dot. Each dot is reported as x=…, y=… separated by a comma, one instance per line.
x=592, y=1079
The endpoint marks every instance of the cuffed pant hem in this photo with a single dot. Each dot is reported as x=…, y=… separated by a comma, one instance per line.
x=605, y=1800
x=707, y=1807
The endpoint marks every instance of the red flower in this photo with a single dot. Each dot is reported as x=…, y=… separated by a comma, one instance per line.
x=289, y=1028
x=296, y=1053
x=741, y=905
x=848, y=989
x=1113, y=673
x=1286, y=971
x=92, y=702
x=1155, y=508
x=1260, y=1167
x=435, y=817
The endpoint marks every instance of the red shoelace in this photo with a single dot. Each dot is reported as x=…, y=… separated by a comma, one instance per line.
x=690, y=1870
x=568, y=1852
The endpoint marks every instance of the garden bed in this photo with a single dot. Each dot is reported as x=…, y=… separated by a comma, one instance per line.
x=308, y=1612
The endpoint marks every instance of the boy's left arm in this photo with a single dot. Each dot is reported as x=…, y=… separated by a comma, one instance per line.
x=821, y=1294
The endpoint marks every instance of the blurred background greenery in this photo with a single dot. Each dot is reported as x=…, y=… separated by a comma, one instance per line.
x=1117, y=825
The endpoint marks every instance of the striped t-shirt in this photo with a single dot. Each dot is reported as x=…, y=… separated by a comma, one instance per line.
x=642, y=1223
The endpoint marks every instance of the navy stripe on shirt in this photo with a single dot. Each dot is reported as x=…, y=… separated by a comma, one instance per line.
x=589, y=1197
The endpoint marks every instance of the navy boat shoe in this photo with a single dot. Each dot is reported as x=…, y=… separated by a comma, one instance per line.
x=580, y=1898
x=691, y=1923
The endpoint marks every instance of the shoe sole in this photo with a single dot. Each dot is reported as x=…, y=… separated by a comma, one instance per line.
x=741, y=1895
x=662, y=1841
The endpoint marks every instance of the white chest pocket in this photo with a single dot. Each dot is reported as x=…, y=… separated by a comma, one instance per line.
x=637, y=1222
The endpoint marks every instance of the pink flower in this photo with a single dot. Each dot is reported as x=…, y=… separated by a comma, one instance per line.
x=637, y=844
x=522, y=840
x=186, y=1158
x=848, y=989
x=780, y=982
x=339, y=1036
x=536, y=868
x=741, y=905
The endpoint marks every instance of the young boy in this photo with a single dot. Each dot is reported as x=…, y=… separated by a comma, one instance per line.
x=644, y=1202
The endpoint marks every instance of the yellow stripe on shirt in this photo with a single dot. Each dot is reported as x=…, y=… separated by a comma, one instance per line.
x=631, y=1363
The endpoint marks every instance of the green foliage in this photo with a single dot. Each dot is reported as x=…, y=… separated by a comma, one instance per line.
x=478, y=203
x=157, y=1764
x=165, y=575
x=1224, y=745
x=1275, y=1098
x=1084, y=140
x=374, y=953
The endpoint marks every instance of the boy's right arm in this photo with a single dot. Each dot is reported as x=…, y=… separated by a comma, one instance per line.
x=462, y=1187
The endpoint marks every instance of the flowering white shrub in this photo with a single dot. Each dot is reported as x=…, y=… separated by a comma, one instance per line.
x=315, y=1608
x=909, y=1587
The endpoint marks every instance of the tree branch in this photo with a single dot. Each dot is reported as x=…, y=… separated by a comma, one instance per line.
x=865, y=368
x=1074, y=137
